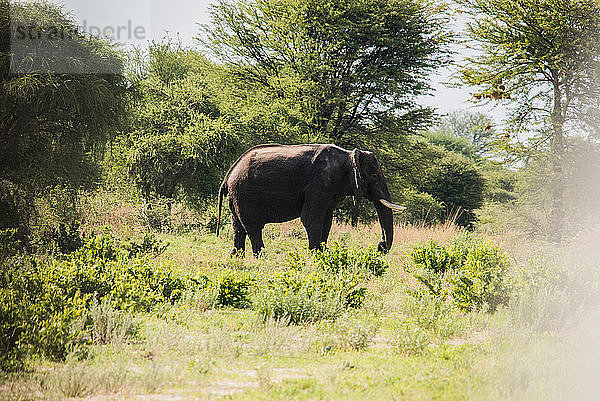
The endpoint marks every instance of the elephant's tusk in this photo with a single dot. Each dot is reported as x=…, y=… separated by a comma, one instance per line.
x=395, y=208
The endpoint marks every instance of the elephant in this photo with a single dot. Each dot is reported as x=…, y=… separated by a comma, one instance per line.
x=273, y=183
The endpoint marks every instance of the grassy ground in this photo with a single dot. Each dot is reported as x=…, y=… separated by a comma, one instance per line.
x=395, y=347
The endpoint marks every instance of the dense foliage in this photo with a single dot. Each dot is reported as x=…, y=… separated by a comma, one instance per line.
x=321, y=286
x=179, y=143
x=472, y=272
x=543, y=56
x=53, y=127
x=353, y=67
x=41, y=299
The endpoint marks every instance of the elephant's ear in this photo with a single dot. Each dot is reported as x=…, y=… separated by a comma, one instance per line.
x=358, y=180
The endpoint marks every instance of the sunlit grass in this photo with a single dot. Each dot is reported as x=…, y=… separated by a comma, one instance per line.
x=396, y=346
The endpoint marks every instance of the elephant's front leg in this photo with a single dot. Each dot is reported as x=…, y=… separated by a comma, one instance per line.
x=255, y=234
x=313, y=217
x=327, y=225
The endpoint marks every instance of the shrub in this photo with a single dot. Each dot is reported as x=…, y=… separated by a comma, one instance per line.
x=297, y=297
x=102, y=267
x=354, y=334
x=420, y=207
x=458, y=183
x=35, y=314
x=337, y=257
x=41, y=301
x=67, y=238
x=107, y=325
x=471, y=271
x=149, y=244
x=233, y=290
x=9, y=243
x=320, y=285
x=409, y=338
x=55, y=225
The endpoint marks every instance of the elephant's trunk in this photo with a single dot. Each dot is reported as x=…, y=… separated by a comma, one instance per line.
x=387, y=226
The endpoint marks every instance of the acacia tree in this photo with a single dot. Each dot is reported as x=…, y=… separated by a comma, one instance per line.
x=543, y=58
x=354, y=67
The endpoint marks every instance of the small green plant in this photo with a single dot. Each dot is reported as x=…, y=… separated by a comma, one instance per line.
x=337, y=257
x=108, y=325
x=320, y=285
x=432, y=314
x=550, y=295
x=409, y=338
x=233, y=290
x=102, y=267
x=75, y=380
x=148, y=245
x=354, y=334
x=298, y=299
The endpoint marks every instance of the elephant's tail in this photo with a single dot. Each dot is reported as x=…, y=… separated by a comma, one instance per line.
x=222, y=193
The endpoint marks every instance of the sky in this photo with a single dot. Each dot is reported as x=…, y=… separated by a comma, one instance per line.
x=154, y=19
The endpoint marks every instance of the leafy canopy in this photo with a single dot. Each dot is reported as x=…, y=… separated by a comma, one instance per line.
x=541, y=56
x=352, y=66
x=53, y=127
x=179, y=142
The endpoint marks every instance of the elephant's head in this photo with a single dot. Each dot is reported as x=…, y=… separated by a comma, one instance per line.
x=370, y=183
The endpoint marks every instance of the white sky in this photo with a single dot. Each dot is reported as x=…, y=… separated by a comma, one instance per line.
x=181, y=18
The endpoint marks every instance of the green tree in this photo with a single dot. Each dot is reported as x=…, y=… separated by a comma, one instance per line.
x=451, y=142
x=354, y=68
x=53, y=126
x=180, y=143
x=476, y=128
x=542, y=57
x=419, y=170
x=455, y=181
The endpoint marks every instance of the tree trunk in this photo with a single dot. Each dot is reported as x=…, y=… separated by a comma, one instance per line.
x=557, y=212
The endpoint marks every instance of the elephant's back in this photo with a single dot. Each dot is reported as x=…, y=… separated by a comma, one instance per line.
x=271, y=166
x=274, y=176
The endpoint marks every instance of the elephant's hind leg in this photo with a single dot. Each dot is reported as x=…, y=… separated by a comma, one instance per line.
x=239, y=236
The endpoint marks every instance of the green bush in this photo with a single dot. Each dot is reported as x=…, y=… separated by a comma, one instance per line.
x=10, y=244
x=458, y=183
x=41, y=301
x=300, y=296
x=35, y=313
x=103, y=267
x=107, y=325
x=470, y=270
x=67, y=238
x=337, y=257
x=320, y=285
x=409, y=338
x=149, y=244
x=420, y=207
x=55, y=224
x=233, y=290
